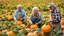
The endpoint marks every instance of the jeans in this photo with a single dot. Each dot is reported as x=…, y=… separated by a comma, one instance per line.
x=36, y=20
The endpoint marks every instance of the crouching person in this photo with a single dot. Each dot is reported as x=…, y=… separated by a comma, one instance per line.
x=36, y=17
x=19, y=14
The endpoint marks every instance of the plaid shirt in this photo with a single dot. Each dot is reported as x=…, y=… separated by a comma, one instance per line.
x=55, y=14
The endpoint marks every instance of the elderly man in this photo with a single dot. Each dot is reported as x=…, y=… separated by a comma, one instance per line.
x=55, y=17
x=36, y=17
x=19, y=14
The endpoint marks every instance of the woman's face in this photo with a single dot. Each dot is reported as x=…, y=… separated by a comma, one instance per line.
x=35, y=12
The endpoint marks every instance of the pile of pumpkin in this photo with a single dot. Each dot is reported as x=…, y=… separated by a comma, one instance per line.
x=20, y=29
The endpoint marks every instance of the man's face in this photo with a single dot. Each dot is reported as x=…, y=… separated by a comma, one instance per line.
x=52, y=7
x=19, y=8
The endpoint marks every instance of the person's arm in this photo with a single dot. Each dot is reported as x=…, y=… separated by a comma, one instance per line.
x=15, y=16
x=40, y=19
x=50, y=18
x=24, y=15
x=30, y=19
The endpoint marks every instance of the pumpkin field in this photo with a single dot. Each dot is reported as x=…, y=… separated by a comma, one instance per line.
x=8, y=27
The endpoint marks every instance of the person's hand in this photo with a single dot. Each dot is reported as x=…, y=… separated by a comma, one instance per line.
x=21, y=19
x=16, y=22
x=49, y=21
x=37, y=23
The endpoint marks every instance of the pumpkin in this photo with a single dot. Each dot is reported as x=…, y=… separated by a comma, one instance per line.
x=62, y=27
x=10, y=18
x=28, y=15
x=23, y=25
x=0, y=24
x=33, y=26
x=40, y=33
x=31, y=34
x=3, y=16
x=10, y=33
x=5, y=30
x=62, y=21
x=20, y=30
x=46, y=28
x=9, y=13
x=28, y=29
x=19, y=23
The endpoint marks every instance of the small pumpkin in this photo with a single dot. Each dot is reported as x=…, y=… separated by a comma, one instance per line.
x=9, y=13
x=23, y=25
x=34, y=26
x=10, y=33
x=5, y=30
x=19, y=22
x=46, y=28
x=10, y=18
x=62, y=27
x=0, y=24
x=20, y=30
x=28, y=15
x=62, y=21
x=31, y=34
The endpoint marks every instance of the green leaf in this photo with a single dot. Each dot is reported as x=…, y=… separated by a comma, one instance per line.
x=53, y=34
x=37, y=29
x=24, y=31
x=4, y=26
x=4, y=34
x=20, y=34
x=57, y=31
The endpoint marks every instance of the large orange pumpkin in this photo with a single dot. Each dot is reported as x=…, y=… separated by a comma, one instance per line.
x=46, y=28
x=62, y=27
x=62, y=21
x=19, y=23
x=10, y=18
x=33, y=26
x=10, y=33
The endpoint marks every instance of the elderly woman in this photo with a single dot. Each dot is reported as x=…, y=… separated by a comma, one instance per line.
x=19, y=14
x=36, y=17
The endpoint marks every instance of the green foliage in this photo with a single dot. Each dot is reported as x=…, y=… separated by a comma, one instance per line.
x=57, y=32
x=20, y=34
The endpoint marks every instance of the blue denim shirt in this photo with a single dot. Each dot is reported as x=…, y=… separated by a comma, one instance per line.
x=21, y=12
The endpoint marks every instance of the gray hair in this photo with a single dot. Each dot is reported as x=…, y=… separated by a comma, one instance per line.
x=19, y=5
x=35, y=8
